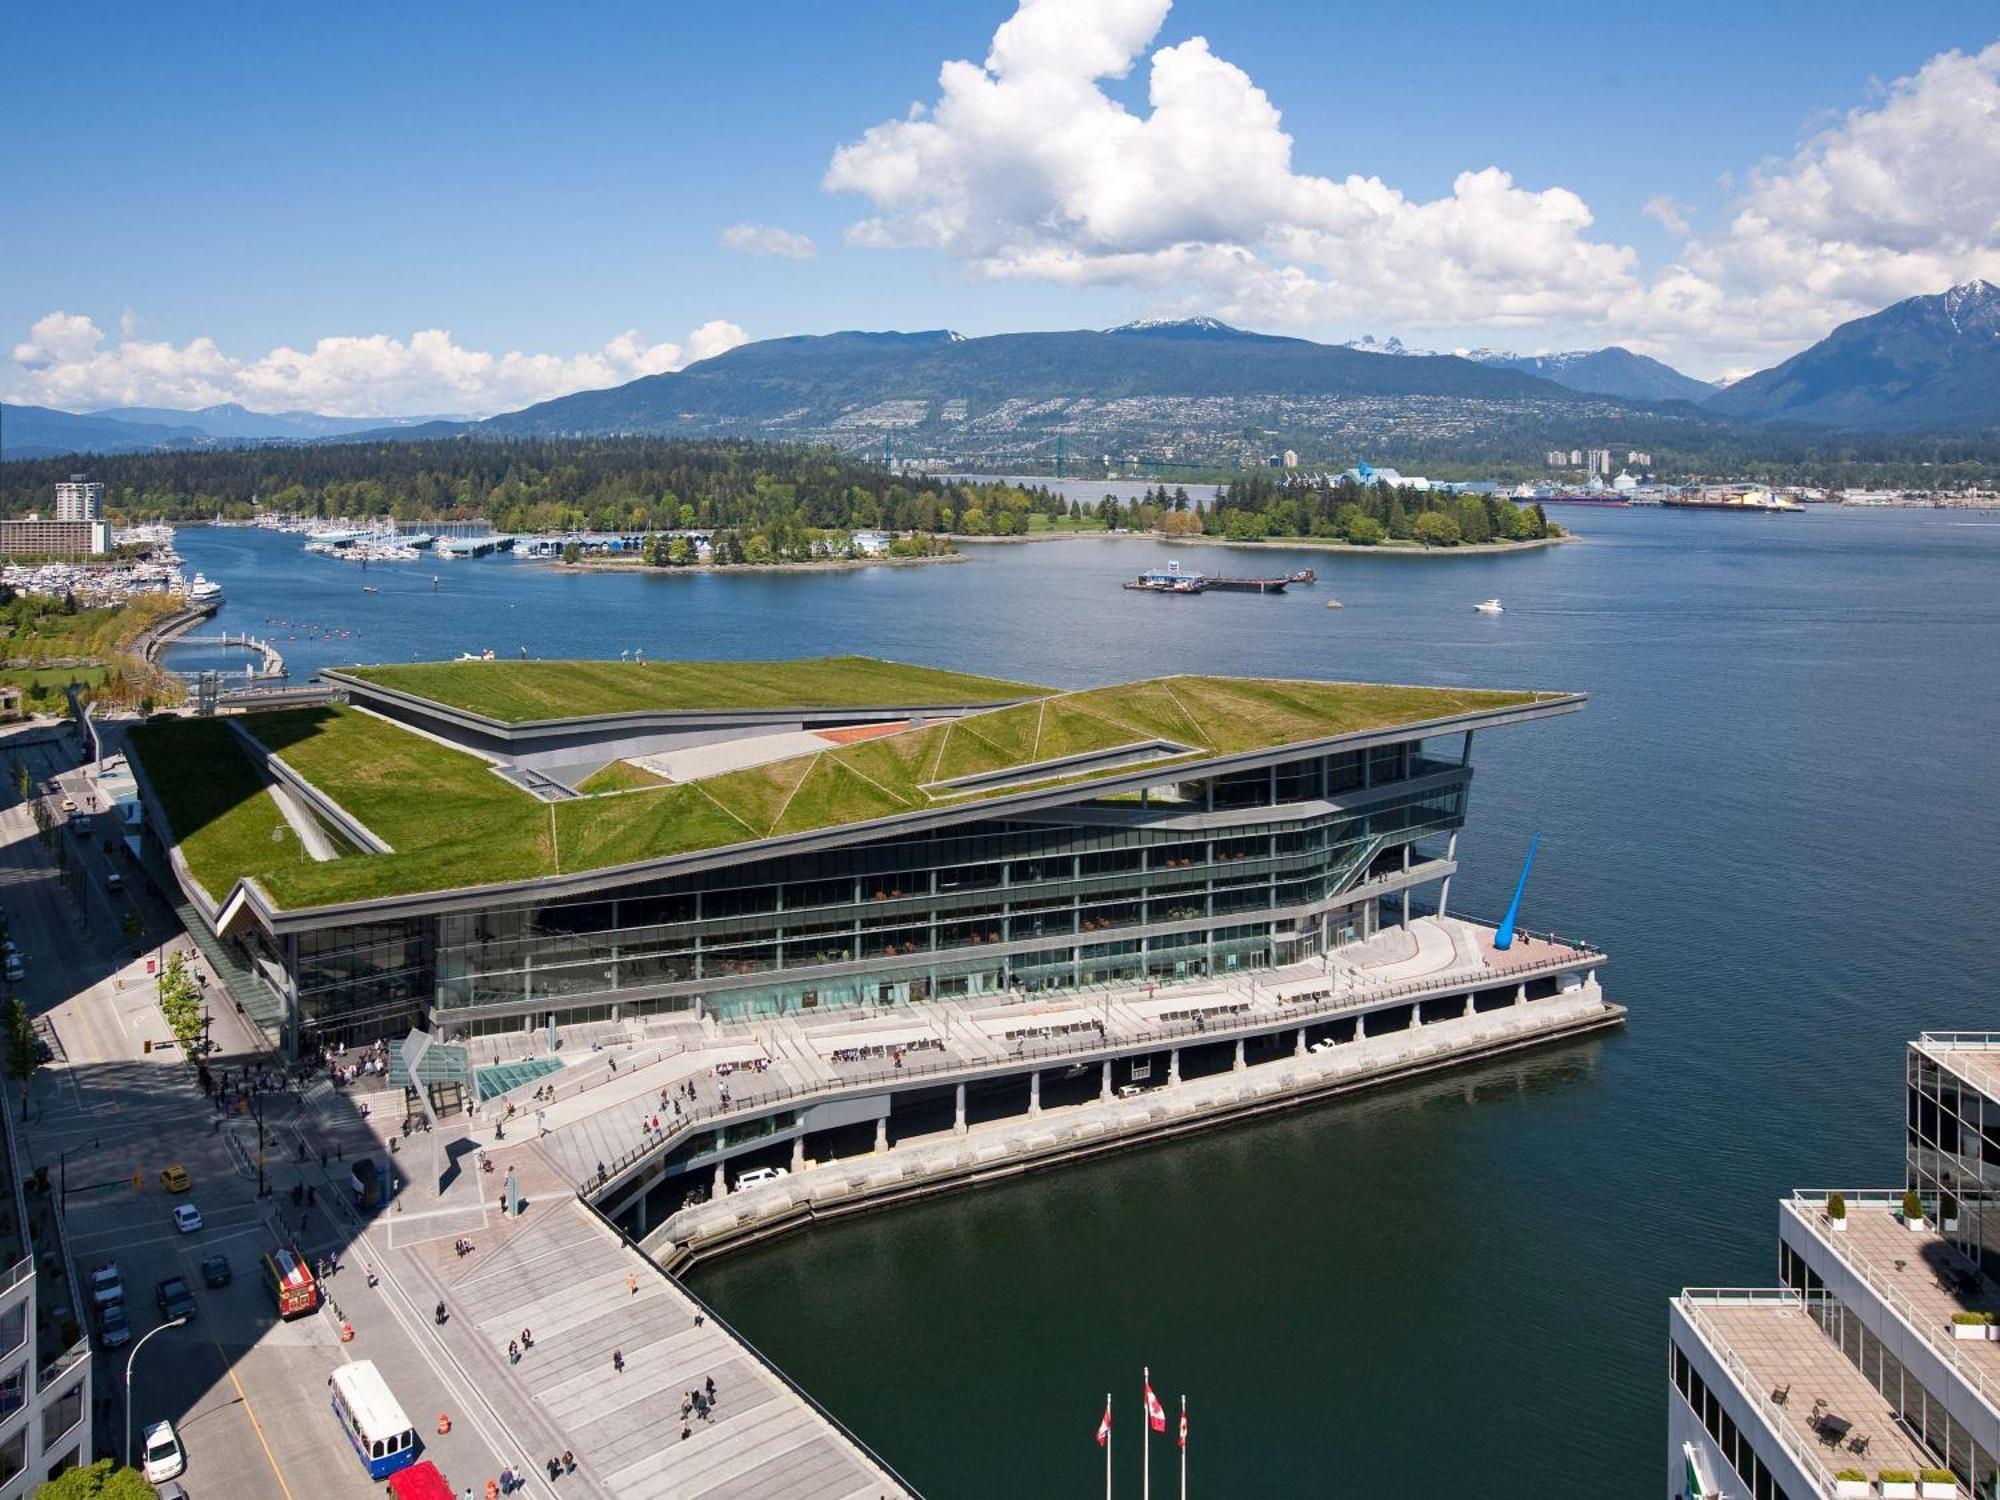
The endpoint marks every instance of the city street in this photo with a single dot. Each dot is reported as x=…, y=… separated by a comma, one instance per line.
x=117, y=1104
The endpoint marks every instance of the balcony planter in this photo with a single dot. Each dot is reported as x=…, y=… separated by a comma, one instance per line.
x=1913, y=1212
x=1852, y=1484
x=1973, y=1326
x=1937, y=1484
x=1836, y=1213
x=1898, y=1484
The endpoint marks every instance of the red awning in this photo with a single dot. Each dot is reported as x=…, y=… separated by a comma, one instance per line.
x=420, y=1482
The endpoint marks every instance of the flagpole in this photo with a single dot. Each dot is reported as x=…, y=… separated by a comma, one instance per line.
x=1146, y=1437
x=1183, y=1439
x=1107, y=1448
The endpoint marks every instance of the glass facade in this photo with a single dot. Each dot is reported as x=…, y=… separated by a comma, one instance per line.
x=1757, y=1481
x=1210, y=876
x=1954, y=1159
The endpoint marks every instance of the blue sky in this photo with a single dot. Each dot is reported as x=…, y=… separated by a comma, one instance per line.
x=541, y=180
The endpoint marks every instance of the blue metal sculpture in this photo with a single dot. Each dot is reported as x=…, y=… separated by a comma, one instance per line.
x=1504, y=938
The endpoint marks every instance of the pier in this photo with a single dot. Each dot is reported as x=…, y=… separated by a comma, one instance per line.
x=272, y=661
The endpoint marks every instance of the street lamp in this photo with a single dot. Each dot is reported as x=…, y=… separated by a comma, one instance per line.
x=172, y=1323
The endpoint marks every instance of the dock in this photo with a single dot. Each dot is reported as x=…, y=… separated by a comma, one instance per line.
x=1171, y=580
x=272, y=661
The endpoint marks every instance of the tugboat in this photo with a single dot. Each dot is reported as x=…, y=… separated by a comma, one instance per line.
x=1305, y=575
x=1489, y=607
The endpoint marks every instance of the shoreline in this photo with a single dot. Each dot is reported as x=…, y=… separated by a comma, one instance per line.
x=828, y=565
x=1318, y=544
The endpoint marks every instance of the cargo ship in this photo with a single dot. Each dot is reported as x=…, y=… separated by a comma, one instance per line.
x=1756, y=502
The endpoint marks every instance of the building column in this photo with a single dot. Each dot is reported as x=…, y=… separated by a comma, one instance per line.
x=1416, y=1015
x=1521, y=994
x=721, y=1182
x=1406, y=908
x=882, y=1134
x=958, y=1110
x=1035, y=1092
x=1299, y=1048
x=798, y=1153
x=1444, y=887
x=1360, y=1026
x=1105, y=1092
x=1239, y=1064
x=639, y=1216
x=1174, y=1065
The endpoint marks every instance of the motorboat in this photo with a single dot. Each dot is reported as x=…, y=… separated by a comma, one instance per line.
x=201, y=591
x=1489, y=607
x=1334, y=604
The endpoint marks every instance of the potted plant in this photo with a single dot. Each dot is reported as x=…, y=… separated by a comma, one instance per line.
x=1898, y=1484
x=1913, y=1210
x=1938, y=1484
x=1972, y=1325
x=1947, y=1212
x=1852, y=1484
x=1836, y=1212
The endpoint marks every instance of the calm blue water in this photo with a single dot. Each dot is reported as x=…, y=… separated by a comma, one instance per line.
x=1777, y=814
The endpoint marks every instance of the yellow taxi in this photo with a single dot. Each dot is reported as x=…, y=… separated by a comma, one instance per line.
x=175, y=1179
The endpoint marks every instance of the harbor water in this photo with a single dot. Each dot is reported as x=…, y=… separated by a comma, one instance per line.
x=1777, y=814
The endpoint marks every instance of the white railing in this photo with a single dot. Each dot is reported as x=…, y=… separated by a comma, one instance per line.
x=1774, y=1417
x=1810, y=1206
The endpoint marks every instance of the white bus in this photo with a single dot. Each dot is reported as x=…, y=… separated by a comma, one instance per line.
x=382, y=1436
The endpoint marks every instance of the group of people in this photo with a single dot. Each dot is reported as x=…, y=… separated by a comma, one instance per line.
x=746, y=1065
x=895, y=1052
x=463, y=1247
x=697, y=1404
x=374, y=1060
x=517, y=1347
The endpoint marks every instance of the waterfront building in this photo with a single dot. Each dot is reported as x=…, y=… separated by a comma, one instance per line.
x=35, y=537
x=45, y=1367
x=566, y=842
x=1871, y=1369
x=80, y=498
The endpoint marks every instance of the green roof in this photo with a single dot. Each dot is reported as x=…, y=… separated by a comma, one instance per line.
x=518, y=692
x=452, y=822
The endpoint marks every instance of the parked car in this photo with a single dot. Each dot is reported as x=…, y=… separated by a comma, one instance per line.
x=113, y=1329
x=175, y=1179
x=757, y=1176
x=163, y=1457
x=69, y=804
x=15, y=969
x=175, y=1300
x=106, y=1285
x=114, y=882
x=187, y=1218
x=215, y=1271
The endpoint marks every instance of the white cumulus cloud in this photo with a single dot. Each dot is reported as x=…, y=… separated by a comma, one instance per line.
x=1026, y=167
x=768, y=239
x=67, y=361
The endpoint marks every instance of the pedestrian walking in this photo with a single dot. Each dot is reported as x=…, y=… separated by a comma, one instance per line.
x=555, y=1470
x=569, y=1462
x=618, y=1360
x=631, y=1283
x=513, y=1352
x=711, y=1388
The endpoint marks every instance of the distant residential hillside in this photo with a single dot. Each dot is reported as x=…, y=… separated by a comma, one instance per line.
x=1928, y=364
x=1605, y=372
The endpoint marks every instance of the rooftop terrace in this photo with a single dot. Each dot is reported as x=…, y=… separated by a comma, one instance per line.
x=1821, y=1406
x=1973, y=1055
x=451, y=822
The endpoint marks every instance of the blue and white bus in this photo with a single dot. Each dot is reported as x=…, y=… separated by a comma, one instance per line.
x=382, y=1436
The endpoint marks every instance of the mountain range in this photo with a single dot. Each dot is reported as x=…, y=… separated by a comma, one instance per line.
x=1188, y=390
x=44, y=432
x=1927, y=364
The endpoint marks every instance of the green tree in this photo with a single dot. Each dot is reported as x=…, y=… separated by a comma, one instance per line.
x=1435, y=529
x=24, y=781
x=22, y=1059
x=680, y=552
x=103, y=1480
x=1364, y=530
x=570, y=553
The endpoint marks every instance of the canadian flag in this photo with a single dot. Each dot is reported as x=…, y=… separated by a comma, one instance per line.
x=1183, y=1421
x=1156, y=1414
x=1104, y=1427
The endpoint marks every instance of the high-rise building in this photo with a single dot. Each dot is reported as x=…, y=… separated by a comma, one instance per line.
x=1576, y=458
x=1556, y=458
x=79, y=499
x=1599, y=461
x=1637, y=460
x=1873, y=1369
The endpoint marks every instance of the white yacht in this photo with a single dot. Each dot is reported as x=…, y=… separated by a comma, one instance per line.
x=1489, y=607
x=201, y=591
